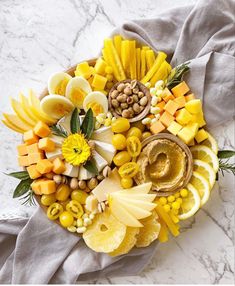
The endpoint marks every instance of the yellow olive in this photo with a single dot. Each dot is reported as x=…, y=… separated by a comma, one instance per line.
x=126, y=182
x=146, y=135
x=48, y=200
x=134, y=131
x=139, y=125
x=80, y=196
x=121, y=158
x=62, y=192
x=119, y=141
x=120, y=125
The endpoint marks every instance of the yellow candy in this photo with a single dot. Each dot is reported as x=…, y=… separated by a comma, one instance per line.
x=171, y=199
x=167, y=208
x=163, y=201
x=184, y=193
x=175, y=205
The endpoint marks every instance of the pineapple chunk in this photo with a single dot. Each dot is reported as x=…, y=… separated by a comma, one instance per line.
x=199, y=118
x=186, y=135
x=99, y=82
x=201, y=135
x=174, y=128
x=194, y=127
x=194, y=106
x=183, y=116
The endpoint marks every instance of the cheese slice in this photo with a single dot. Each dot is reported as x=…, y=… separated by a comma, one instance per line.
x=57, y=140
x=107, y=151
x=71, y=171
x=103, y=134
x=100, y=161
x=84, y=174
x=108, y=185
x=57, y=153
x=64, y=122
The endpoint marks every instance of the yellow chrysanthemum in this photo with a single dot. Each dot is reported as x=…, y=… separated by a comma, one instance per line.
x=75, y=149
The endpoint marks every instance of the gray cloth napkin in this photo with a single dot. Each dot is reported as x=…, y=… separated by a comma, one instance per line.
x=39, y=251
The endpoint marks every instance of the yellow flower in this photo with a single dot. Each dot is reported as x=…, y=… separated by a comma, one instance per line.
x=75, y=149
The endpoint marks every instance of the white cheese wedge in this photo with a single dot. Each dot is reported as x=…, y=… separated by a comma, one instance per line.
x=71, y=171
x=108, y=185
x=103, y=134
x=100, y=161
x=57, y=153
x=64, y=122
x=57, y=140
x=84, y=174
x=107, y=151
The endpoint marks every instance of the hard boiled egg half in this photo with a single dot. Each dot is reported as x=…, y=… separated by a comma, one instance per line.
x=97, y=101
x=77, y=89
x=57, y=83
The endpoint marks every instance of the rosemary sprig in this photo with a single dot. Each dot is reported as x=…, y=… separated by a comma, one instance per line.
x=28, y=199
x=177, y=74
x=59, y=131
x=225, y=166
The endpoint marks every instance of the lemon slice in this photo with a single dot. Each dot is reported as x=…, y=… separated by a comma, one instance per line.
x=190, y=204
x=211, y=143
x=204, y=153
x=205, y=170
x=202, y=186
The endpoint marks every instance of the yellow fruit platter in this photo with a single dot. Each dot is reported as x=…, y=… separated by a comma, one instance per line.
x=116, y=149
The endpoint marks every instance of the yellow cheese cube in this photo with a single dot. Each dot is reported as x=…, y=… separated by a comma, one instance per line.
x=181, y=101
x=41, y=129
x=189, y=97
x=83, y=69
x=47, y=187
x=33, y=172
x=191, y=143
x=33, y=148
x=171, y=107
x=166, y=92
x=166, y=118
x=22, y=149
x=35, y=157
x=30, y=138
x=99, y=82
x=44, y=166
x=58, y=166
x=199, y=118
x=201, y=135
x=100, y=66
x=23, y=161
x=174, y=128
x=36, y=186
x=180, y=89
x=168, y=97
x=193, y=127
x=46, y=144
x=194, y=106
x=157, y=127
x=186, y=135
x=183, y=116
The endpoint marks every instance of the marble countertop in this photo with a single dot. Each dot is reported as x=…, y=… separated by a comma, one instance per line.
x=38, y=38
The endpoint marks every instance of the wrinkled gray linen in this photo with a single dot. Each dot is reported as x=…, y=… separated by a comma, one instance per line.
x=38, y=250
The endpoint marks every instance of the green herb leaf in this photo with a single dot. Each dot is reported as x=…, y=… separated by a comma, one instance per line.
x=91, y=167
x=176, y=75
x=28, y=199
x=58, y=131
x=88, y=123
x=22, y=188
x=224, y=154
x=75, y=122
x=22, y=175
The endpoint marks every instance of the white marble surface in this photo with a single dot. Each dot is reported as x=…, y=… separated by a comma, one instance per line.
x=41, y=37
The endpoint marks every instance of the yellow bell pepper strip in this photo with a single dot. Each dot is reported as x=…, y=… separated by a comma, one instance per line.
x=145, y=48
x=157, y=63
x=162, y=73
x=125, y=56
x=133, y=59
x=143, y=63
x=117, y=43
x=174, y=228
x=138, y=63
x=54, y=211
x=150, y=58
x=114, y=60
x=163, y=234
x=75, y=208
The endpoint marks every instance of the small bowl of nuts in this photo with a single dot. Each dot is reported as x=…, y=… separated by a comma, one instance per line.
x=130, y=99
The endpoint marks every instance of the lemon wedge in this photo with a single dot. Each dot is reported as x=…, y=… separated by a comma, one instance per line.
x=211, y=143
x=204, y=153
x=202, y=186
x=190, y=204
x=205, y=170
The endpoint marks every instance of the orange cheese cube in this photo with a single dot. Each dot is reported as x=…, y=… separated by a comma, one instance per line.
x=58, y=166
x=181, y=101
x=36, y=186
x=22, y=149
x=35, y=157
x=41, y=129
x=169, y=97
x=166, y=92
x=157, y=127
x=46, y=144
x=171, y=107
x=33, y=172
x=161, y=105
x=48, y=187
x=183, y=116
x=180, y=89
x=33, y=148
x=23, y=161
x=166, y=118
x=44, y=166
x=174, y=128
x=30, y=138
x=189, y=97
x=99, y=82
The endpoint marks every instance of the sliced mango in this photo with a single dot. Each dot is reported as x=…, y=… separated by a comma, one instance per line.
x=17, y=122
x=13, y=127
x=25, y=103
x=18, y=108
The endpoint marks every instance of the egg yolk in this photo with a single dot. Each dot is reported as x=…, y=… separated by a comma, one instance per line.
x=61, y=87
x=77, y=96
x=96, y=107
